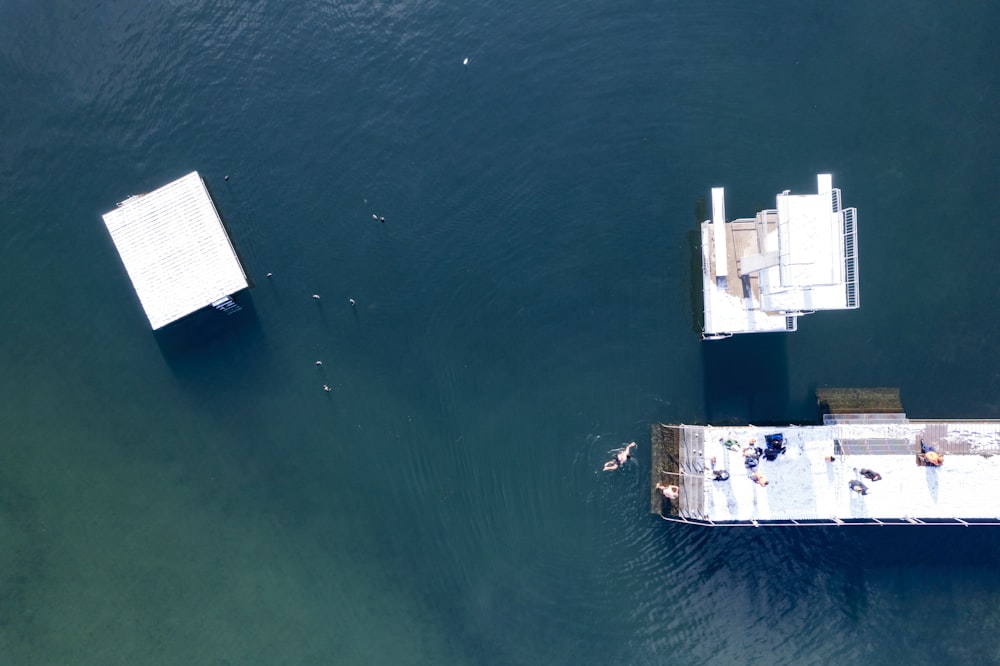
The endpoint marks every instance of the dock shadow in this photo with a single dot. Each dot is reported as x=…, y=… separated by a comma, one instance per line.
x=696, y=292
x=209, y=338
x=746, y=379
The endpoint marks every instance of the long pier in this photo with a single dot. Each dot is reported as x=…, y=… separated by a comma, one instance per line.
x=810, y=482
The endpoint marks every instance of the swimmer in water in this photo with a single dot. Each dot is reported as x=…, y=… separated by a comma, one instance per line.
x=622, y=456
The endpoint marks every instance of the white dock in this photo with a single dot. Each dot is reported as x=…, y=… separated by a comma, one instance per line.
x=760, y=274
x=176, y=251
x=804, y=488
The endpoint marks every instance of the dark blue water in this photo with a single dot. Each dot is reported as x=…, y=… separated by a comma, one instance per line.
x=197, y=498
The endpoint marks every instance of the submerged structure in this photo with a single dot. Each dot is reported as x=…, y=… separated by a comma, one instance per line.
x=761, y=274
x=176, y=251
x=866, y=464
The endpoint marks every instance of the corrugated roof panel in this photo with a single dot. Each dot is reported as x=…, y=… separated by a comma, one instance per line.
x=175, y=250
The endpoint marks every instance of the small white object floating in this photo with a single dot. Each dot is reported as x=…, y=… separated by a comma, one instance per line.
x=316, y=296
x=465, y=62
x=319, y=362
x=375, y=217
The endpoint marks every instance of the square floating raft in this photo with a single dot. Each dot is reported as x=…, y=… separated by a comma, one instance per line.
x=175, y=250
x=761, y=274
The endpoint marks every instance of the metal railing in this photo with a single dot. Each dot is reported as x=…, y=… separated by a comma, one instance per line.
x=835, y=522
x=851, y=256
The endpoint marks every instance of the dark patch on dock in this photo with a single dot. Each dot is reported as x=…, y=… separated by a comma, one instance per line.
x=666, y=467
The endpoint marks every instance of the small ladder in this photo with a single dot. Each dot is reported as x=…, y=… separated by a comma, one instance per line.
x=226, y=305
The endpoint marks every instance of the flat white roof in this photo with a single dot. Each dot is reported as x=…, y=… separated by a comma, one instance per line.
x=175, y=250
x=809, y=240
x=804, y=486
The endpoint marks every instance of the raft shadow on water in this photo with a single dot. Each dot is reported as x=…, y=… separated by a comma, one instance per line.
x=746, y=378
x=208, y=336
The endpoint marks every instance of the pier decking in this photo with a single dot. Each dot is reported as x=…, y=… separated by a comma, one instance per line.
x=806, y=489
x=176, y=251
x=760, y=274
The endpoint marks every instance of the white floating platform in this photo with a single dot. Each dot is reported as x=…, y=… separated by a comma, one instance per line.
x=175, y=250
x=804, y=488
x=760, y=274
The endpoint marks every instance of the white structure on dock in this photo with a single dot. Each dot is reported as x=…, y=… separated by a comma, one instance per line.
x=761, y=274
x=176, y=251
x=804, y=488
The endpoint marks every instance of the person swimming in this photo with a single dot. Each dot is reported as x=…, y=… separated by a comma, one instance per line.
x=622, y=456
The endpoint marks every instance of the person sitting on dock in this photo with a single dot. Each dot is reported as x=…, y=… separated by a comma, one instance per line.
x=857, y=486
x=871, y=474
x=719, y=474
x=669, y=492
x=750, y=457
x=622, y=456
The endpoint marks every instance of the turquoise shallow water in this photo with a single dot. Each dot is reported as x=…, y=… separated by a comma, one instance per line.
x=196, y=497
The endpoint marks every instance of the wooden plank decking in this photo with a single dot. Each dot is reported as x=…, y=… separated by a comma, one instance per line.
x=859, y=400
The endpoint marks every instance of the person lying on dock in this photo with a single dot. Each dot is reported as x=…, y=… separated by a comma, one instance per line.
x=750, y=457
x=857, y=487
x=932, y=458
x=622, y=456
x=930, y=455
x=870, y=474
x=669, y=492
x=719, y=474
x=759, y=479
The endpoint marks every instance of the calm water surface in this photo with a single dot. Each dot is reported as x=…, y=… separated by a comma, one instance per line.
x=196, y=498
